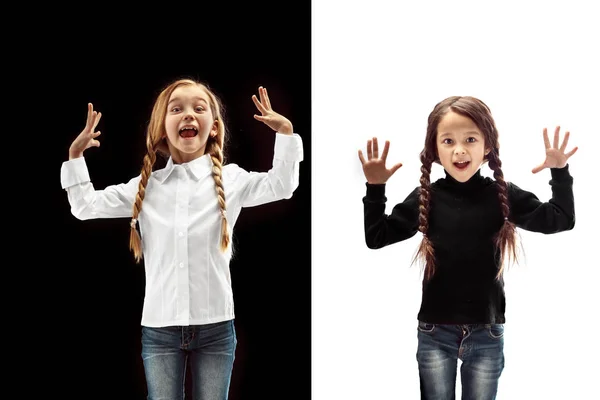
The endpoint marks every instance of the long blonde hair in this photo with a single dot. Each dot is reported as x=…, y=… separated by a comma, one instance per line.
x=156, y=142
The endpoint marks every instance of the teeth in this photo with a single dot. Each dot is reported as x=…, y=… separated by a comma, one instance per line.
x=188, y=127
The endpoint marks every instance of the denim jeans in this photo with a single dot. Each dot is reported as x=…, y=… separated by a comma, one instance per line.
x=479, y=347
x=209, y=351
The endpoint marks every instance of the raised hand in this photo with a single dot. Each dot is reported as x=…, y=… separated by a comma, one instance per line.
x=374, y=167
x=275, y=121
x=87, y=137
x=555, y=156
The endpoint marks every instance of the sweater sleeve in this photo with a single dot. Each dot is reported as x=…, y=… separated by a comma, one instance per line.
x=555, y=215
x=382, y=229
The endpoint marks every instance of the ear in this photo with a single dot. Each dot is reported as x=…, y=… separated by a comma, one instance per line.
x=215, y=129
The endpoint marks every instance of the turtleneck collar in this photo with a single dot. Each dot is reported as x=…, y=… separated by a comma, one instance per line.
x=475, y=182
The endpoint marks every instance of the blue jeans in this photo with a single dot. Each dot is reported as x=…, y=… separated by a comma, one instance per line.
x=210, y=350
x=481, y=349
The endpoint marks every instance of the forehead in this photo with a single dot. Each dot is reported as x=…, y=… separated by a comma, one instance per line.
x=454, y=123
x=189, y=92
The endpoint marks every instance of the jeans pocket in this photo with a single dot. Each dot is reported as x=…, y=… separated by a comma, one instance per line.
x=425, y=327
x=495, y=331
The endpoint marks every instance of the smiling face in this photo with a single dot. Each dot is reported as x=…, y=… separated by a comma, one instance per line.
x=460, y=146
x=189, y=122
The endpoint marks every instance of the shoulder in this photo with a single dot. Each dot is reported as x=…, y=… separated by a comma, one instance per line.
x=233, y=171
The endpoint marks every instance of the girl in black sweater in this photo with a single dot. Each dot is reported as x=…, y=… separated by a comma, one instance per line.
x=469, y=226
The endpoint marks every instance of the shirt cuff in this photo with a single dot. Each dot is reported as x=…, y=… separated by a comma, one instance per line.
x=73, y=172
x=288, y=147
x=561, y=174
x=375, y=191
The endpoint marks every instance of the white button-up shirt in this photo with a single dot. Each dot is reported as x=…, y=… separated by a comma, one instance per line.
x=188, y=281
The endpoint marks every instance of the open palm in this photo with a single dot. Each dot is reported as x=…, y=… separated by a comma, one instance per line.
x=87, y=137
x=374, y=167
x=273, y=120
x=555, y=155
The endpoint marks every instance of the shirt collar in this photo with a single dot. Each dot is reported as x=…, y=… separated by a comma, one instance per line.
x=197, y=168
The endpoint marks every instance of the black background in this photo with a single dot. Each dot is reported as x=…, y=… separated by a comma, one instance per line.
x=84, y=291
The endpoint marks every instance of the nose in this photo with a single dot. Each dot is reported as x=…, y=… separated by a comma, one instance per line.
x=460, y=150
x=188, y=113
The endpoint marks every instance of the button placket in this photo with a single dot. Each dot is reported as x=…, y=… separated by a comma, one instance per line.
x=181, y=226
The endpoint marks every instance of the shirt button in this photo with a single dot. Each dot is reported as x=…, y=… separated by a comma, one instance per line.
x=180, y=265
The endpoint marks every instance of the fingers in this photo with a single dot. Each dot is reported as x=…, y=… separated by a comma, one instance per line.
x=538, y=168
x=361, y=157
x=569, y=154
x=260, y=107
x=93, y=118
x=260, y=118
x=395, y=167
x=90, y=113
x=375, y=148
x=386, y=149
x=556, y=131
x=565, y=141
x=369, y=150
x=546, y=140
x=264, y=97
x=96, y=119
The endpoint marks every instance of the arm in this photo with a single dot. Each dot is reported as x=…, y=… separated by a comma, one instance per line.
x=381, y=229
x=555, y=215
x=86, y=202
x=280, y=181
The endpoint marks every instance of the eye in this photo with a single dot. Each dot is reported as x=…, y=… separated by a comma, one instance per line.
x=471, y=140
x=199, y=109
x=175, y=109
x=447, y=141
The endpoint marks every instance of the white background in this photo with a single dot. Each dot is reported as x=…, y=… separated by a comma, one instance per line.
x=379, y=67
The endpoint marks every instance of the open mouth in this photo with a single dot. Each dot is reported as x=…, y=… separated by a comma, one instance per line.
x=462, y=164
x=188, y=132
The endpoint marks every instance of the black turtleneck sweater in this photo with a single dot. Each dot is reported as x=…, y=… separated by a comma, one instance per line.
x=463, y=219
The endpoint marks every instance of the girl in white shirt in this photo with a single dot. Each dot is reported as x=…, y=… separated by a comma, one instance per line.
x=186, y=212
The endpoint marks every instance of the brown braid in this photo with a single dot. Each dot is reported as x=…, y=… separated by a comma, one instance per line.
x=425, y=250
x=135, y=242
x=506, y=237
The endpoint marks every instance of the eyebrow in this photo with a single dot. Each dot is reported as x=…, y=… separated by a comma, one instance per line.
x=467, y=133
x=176, y=99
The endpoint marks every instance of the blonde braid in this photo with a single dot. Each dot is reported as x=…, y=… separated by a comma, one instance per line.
x=217, y=158
x=135, y=242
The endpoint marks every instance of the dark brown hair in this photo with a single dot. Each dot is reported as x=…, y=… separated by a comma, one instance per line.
x=480, y=114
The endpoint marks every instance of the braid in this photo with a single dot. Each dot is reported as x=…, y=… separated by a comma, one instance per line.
x=135, y=242
x=506, y=237
x=217, y=158
x=425, y=250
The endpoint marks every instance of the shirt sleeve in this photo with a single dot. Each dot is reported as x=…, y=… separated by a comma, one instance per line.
x=86, y=202
x=382, y=229
x=555, y=215
x=279, y=182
